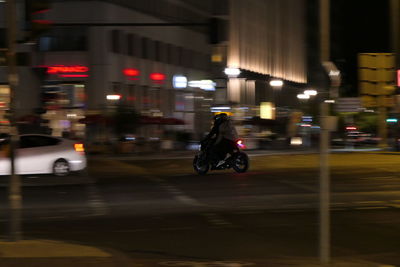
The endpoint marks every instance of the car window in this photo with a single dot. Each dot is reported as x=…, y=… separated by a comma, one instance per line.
x=37, y=141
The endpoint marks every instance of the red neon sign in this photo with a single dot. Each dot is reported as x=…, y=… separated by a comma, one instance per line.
x=57, y=69
x=158, y=77
x=131, y=72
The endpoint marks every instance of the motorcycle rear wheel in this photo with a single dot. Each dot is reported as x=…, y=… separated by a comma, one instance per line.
x=240, y=162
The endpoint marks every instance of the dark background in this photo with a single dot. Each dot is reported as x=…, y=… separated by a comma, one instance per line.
x=357, y=26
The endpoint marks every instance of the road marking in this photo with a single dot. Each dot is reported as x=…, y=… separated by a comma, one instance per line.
x=369, y=202
x=301, y=186
x=188, y=200
x=176, y=192
x=96, y=202
x=371, y=208
x=215, y=219
x=338, y=203
x=206, y=264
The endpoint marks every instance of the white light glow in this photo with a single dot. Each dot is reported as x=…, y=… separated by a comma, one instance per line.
x=310, y=92
x=334, y=73
x=232, y=71
x=221, y=108
x=303, y=96
x=179, y=81
x=329, y=101
x=296, y=141
x=276, y=83
x=267, y=110
x=113, y=97
x=207, y=85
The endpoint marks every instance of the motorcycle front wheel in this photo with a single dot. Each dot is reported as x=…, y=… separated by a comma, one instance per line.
x=200, y=165
x=240, y=162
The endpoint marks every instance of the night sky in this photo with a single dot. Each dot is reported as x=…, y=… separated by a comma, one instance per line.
x=357, y=26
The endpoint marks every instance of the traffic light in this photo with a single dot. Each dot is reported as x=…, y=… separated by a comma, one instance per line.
x=35, y=13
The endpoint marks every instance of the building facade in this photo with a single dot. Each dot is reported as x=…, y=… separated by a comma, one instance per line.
x=267, y=44
x=92, y=62
x=89, y=64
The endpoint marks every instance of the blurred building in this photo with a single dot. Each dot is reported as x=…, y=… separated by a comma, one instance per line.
x=85, y=70
x=177, y=71
x=266, y=42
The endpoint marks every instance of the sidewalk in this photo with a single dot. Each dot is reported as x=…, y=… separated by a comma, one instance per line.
x=35, y=253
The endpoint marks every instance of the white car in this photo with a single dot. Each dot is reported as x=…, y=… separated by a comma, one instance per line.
x=43, y=154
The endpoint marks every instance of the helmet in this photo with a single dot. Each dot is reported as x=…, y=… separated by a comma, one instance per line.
x=221, y=117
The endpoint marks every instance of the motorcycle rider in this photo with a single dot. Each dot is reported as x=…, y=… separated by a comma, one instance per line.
x=224, y=135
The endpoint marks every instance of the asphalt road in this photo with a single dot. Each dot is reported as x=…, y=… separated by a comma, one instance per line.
x=159, y=210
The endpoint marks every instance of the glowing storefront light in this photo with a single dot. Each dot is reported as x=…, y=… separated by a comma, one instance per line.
x=310, y=92
x=207, y=85
x=267, y=111
x=221, y=108
x=113, y=97
x=232, y=71
x=179, y=81
x=391, y=120
x=303, y=96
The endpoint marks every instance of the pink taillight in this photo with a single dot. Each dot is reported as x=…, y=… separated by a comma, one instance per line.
x=240, y=143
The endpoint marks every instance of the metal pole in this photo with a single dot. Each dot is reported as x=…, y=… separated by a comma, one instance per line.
x=382, y=126
x=324, y=212
x=324, y=188
x=14, y=190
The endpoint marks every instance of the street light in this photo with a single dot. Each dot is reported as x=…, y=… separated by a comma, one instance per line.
x=113, y=97
x=311, y=92
x=276, y=83
x=303, y=96
x=232, y=72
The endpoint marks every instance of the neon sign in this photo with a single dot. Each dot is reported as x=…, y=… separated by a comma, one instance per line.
x=157, y=77
x=131, y=73
x=57, y=69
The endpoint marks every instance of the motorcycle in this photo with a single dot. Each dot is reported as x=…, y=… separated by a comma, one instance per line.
x=204, y=161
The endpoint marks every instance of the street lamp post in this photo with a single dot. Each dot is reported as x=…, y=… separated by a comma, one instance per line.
x=14, y=191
